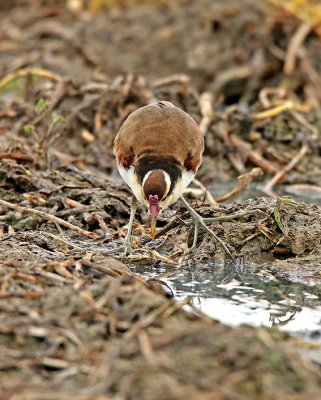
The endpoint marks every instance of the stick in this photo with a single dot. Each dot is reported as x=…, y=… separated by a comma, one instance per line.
x=205, y=105
x=234, y=156
x=286, y=106
x=155, y=254
x=96, y=182
x=281, y=174
x=250, y=238
x=255, y=157
x=48, y=217
x=261, y=162
x=301, y=120
x=26, y=294
x=43, y=73
x=264, y=93
x=168, y=80
x=16, y=156
x=295, y=42
x=243, y=182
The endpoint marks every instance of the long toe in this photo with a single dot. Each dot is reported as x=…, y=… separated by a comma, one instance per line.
x=125, y=248
x=198, y=220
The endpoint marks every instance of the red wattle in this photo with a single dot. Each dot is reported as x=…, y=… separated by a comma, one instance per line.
x=153, y=205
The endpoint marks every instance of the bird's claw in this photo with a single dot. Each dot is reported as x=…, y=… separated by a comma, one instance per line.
x=199, y=221
x=125, y=248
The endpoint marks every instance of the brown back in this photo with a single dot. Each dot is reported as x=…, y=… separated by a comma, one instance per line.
x=160, y=129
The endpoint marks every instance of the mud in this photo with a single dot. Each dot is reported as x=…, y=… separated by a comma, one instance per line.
x=75, y=321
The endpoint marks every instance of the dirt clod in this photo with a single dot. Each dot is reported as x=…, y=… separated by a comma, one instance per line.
x=75, y=322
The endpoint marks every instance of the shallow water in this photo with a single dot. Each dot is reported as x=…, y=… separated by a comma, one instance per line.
x=254, y=299
x=307, y=196
x=234, y=295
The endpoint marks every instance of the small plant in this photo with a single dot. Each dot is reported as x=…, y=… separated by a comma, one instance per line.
x=45, y=133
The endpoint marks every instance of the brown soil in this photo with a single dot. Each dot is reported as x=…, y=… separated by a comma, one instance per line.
x=74, y=322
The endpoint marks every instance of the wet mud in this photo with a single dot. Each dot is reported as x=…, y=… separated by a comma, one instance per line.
x=75, y=321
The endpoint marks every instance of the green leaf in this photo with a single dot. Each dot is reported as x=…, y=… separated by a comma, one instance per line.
x=48, y=93
x=55, y=117
x=41, y=105
x=278, y=220
x=28, y=128
x=289, y=202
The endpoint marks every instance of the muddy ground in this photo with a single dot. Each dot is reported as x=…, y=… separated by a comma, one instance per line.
x=75, y=322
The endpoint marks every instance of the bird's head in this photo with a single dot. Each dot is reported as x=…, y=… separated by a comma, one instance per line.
x=156, y=185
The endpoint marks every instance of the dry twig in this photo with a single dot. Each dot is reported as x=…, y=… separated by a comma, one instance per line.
x=281, y=174
x=25, y=294
x=301, y=120
x=243, y=182
x=155, y=254
x=235, y=151
x=16, y=156
x=295, y=42
x=48, y=217
x=205, y=105
x=254, y=156
x=286, y=106
x=41, y=72
x=168, y=80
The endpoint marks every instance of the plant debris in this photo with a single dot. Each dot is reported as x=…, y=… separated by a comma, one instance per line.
x=75, y=322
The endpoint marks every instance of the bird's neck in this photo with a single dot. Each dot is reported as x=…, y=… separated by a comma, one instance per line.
x=147, y=165
x=168, y=165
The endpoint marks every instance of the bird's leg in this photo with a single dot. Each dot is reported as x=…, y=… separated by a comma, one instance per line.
x=198, y=220
x=128, y=238
x=126, y=247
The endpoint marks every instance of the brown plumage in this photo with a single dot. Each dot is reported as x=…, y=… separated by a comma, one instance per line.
x=162, y=130
x=158, y=149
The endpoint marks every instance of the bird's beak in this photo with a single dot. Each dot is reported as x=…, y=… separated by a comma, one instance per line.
x=154, y=210
x=153, y=226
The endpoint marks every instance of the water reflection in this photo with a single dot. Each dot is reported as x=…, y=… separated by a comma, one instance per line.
x=278, y=321
x=296, y=192
x=234, y=295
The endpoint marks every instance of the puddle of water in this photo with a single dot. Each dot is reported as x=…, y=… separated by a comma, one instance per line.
x=254, y=300
x=233, y=296
x=220, y=189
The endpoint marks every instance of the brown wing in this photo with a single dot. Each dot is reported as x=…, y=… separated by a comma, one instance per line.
x=124, y=154
x=160, y=129
x=192, y=162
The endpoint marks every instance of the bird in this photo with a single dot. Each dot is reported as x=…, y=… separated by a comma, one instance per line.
x=158, y=151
